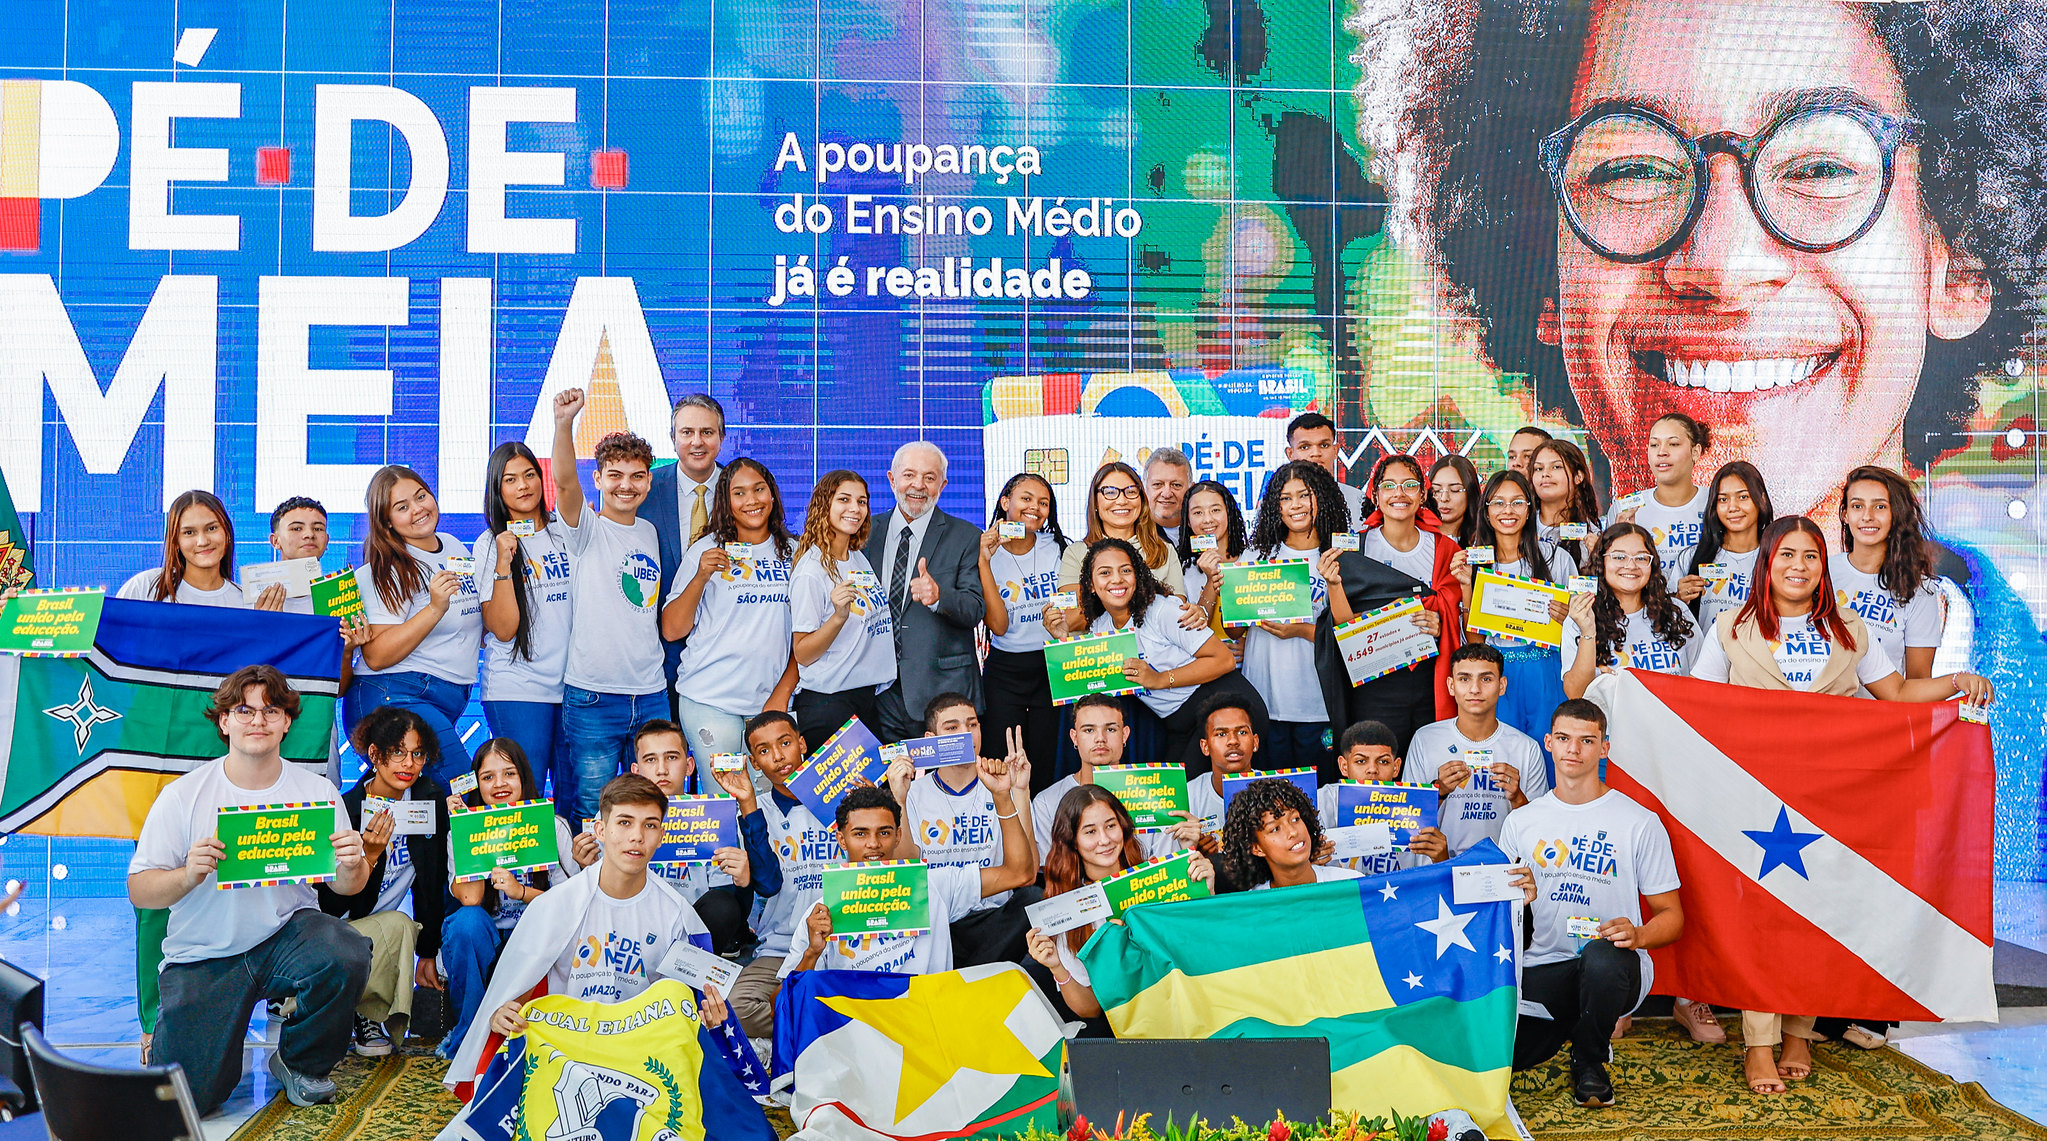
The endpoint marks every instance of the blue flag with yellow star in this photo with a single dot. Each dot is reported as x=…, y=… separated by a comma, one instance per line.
x=867, y=1055
x=1414, y=992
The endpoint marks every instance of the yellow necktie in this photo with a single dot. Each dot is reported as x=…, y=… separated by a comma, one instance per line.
x=698, y=517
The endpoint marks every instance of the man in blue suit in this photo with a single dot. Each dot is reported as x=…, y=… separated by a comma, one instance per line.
x=682, y=494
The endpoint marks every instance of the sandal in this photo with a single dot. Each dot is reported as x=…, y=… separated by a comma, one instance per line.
x=1795, y=1071
x=1759, y=1081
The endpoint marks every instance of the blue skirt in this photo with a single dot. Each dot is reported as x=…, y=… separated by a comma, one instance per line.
x=1535, y=687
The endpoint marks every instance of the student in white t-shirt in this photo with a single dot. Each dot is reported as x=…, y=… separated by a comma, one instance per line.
x=1366, y=755
x=730, y=599
x=524, y=583
x=1631, y=621
x=486, y=911
x=403, y=905
x=1296, y=519
x=426, y=621
x=721, y=891
x=868, y=827
x=843, y=630
x=1100, y=733
x=614, y=677
x=1725, y=561
x=1481, y=767
x=198, y=557
x=1883, y=572
x=1180, y=666
x=1506, y=523
x=298, y=530
x=1093, y=839
x=1674, y=510
x=225, y=951
x=951, y=818
x=803, y=846
x=1270, y=836
x=1214, y=534
x=1018, y=579
x=1587, y=851
x=1229, y=747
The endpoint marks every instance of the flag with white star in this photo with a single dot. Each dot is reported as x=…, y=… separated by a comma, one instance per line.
x=87, y=742
x=1835, y=851
x=1414, y=991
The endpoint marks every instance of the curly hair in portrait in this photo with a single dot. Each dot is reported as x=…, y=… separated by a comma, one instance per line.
x=1906, y=563
x=995, y=513
x=1258, y=801
x=1141, y=598
x=1668, y=617
x=724, y=524
x=382, y=733
x=1457, y=95
x=1268, y=533
x=1233, y=536
x=818, y=531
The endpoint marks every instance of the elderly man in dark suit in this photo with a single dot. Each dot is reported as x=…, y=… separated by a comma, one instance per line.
x=682, y=494
x=929, y=564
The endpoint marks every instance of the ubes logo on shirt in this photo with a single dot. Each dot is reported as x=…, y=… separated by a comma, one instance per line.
x=639, y=580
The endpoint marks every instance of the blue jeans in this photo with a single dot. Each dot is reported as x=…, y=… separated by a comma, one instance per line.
x=470, y=942
x=597, y=733
x=536, y=725
x=708, y=731
x=437, y=701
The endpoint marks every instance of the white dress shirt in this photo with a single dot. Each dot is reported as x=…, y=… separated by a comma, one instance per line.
x=886, y=570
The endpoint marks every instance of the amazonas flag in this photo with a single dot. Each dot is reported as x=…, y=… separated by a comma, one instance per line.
x=1835, y=851
x=86, y=743
x=868, y=1055
x=1415, y=994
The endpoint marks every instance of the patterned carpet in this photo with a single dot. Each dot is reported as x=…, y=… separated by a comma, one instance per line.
x=1670, y=1089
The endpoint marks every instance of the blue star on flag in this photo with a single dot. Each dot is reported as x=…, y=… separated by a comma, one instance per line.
x=1782, y=846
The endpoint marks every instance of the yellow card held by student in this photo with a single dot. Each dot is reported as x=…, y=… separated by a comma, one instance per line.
x=1516, y=607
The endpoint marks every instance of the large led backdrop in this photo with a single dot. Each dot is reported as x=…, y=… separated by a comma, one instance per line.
x=265, y=247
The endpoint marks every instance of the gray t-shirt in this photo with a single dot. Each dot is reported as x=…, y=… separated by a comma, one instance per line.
x=615, y=628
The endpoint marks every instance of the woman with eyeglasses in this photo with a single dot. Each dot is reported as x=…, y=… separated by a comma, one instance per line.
x=1793, y=634
x=1673, y=509
x=398, y=746
x=1453, y=491
x=1566, y=499
x=426, y=621
x=487, y=909
x=1631, y=621
x=1117, y=509
x=1534, y=684
x=1018, y=577
x=1402, y=535
x=1724, y=562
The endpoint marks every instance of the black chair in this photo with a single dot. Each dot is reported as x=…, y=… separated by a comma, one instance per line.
x=84, y=1102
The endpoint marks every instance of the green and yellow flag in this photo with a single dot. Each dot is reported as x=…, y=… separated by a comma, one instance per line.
x=1414, y=993
x=17, y=566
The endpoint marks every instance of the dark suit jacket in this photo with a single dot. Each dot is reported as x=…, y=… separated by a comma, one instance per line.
x=662, y=510
x=938, y=644
x=430, y=895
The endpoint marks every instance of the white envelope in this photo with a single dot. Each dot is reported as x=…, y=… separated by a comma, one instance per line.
x=1482, y=883
x=695, y=966
x=408, y=817
x=1361, y=840
x=1064, y=912
x=297, y=575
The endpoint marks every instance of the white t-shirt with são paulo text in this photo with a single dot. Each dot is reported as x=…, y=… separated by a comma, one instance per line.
x=1026, y=582
x=448, y=651
x=1897, y=626
x=1801, y=654
x=1474, y=812
x=863, y=653
x=956, y=828
x=141, y=587
x=954, y=892
x=208, y=923
x=1640, y=648
x=1676, y=530
x=739, y=644
x=507, y=674
x=1282, y=670
x=1592, y=860
x=615, y=631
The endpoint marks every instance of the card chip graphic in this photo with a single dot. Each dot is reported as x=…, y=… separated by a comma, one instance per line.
x=1049, y=464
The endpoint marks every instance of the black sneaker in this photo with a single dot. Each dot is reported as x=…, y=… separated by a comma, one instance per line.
x=300, y=1089
x=371, y=1040
x=1590, y=1086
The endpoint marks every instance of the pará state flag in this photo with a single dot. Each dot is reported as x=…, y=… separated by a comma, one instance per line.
x=86, y=743
x=867, y=1055
x=639, y=1070
x=1835, y=851
x=1415, y=994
